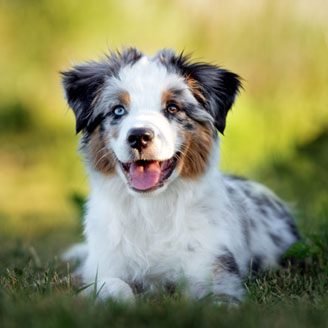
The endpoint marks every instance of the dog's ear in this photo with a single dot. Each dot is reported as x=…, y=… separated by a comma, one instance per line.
x=220, y=88
x=213, y=86
x=82, y=84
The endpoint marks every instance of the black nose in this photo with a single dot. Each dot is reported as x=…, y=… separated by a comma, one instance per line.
x=140, y=138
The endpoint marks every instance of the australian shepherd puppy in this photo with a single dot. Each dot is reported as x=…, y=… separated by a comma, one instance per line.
x=160, y=213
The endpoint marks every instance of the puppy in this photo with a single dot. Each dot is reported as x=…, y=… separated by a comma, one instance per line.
x=160, y=213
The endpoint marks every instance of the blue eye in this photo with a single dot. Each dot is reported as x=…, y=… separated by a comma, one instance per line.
x=119, y=110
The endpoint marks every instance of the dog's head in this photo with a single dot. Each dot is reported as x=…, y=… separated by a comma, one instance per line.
x=149, y=119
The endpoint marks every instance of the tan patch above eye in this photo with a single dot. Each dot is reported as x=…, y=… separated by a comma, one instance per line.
x=101, y=158
x=124, y=98
x=167, y=96
x=196, y=152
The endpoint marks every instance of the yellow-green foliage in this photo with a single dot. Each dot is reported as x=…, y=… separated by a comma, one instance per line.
x=279, y=48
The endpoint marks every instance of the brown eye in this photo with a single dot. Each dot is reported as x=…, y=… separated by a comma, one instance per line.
x=172, y=108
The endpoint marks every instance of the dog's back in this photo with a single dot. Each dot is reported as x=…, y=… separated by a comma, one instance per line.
x=268, y=223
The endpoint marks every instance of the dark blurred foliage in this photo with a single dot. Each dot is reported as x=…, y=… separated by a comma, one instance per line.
x=303, y=179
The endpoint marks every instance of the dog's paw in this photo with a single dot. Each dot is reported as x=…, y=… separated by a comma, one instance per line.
x=116, y=289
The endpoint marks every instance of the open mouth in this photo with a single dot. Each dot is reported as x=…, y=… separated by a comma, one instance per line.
x=148, y=175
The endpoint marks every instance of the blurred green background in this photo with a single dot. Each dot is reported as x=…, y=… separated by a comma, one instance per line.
x=277, y=131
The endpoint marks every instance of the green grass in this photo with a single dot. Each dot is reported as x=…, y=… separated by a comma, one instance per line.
x=37, y=290
x=42, y=294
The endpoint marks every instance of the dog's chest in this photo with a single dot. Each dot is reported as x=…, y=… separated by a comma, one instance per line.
x=152, y=241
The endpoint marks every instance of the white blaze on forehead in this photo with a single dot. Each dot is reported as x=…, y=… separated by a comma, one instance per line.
x=146, y=81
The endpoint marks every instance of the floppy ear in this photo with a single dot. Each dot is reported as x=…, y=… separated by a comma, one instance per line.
x=83, y=82
x=217, y=87
x=220, y=88
x=81, y=85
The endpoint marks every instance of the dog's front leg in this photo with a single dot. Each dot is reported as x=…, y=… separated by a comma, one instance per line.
x=227, y=288
x=224, y=284
x=223, y=289
x=114, y=288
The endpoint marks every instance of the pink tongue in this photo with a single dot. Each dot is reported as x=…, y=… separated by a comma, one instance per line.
x=144, y=175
